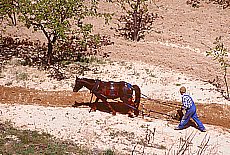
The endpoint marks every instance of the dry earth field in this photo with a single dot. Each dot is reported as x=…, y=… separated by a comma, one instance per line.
x=172, y=54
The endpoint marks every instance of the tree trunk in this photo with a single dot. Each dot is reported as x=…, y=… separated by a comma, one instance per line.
x=226, y=83
x=136, y=24
x=50, y=53
x=13, y=18
x=51, y=42
x=135, y=33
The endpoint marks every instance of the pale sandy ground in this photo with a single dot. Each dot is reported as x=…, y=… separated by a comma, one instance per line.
x=182, y=33
x=100, y=130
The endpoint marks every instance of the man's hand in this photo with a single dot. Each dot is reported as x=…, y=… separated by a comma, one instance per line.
x=183, y=111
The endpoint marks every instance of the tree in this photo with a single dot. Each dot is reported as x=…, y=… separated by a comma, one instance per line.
x=197, y=3
x=137, y=21
x=220, y=53
x=8, y=9
x=55, y=18
x=224, y=3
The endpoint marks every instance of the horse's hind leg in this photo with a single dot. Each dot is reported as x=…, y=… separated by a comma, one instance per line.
x=131, y=110
x=136, y=113
x=93, y=105
x=109, y=106
x=99, y=96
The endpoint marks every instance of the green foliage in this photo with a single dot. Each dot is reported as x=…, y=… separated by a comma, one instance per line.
x=109, y=152
x=55, y=20
x=137, y=20
x=5, y=7
x=220, y=54
x=22, y=76
x=50, y=16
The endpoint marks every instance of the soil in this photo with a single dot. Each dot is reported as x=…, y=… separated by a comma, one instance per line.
x=212, y=114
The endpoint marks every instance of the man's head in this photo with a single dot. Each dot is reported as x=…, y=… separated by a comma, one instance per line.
x=182, y=90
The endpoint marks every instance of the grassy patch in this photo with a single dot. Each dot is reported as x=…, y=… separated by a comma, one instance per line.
x=22, y=76
x=178, y=84
x=26, y=142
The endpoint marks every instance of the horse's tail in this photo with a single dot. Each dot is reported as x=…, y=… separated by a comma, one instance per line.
x=137, y=98
x=137, y=90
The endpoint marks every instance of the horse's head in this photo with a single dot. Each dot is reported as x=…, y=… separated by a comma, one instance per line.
x=78, y=85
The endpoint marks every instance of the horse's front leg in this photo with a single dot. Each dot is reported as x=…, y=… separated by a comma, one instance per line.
x=93, y=106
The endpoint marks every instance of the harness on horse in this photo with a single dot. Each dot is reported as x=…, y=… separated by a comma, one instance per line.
x=128, y=90
x=109, y=89
x=95, y=87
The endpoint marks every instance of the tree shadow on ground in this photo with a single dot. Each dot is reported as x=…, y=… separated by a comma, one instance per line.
x=34, y=54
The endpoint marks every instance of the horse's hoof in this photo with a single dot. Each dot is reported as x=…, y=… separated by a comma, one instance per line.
x=92, y=110
x=131, y=115
x=136, y=113
x=113, y=113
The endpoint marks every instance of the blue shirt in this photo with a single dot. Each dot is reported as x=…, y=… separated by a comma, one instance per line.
x=187, y=101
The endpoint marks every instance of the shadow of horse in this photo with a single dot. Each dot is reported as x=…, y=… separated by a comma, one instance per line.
x=119, y=107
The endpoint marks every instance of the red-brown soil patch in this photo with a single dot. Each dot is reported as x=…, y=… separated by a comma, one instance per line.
x=213, y=114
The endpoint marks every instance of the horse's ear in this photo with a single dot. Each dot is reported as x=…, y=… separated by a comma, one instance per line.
x=77, y=78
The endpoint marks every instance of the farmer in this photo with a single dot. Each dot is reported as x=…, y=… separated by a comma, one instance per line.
x=189, y=106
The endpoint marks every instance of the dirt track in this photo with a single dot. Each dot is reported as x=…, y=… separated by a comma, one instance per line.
x=213, y=114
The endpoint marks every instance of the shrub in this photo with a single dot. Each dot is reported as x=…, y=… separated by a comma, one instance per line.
x=220, y=54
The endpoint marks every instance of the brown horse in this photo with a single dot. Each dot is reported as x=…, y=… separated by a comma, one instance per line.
x=111, y=90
